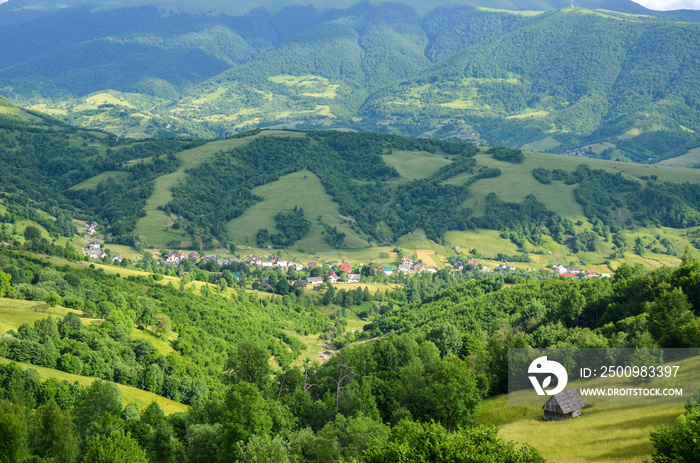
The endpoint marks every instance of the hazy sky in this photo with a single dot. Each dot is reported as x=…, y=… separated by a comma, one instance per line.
x=670, y=4
x=652, y=4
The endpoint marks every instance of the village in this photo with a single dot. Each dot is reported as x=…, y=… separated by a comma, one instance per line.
x=317, y=275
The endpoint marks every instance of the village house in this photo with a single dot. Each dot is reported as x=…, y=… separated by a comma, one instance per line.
x=301, y=284
x=96, y=254
x=574, y=270
x=486, y=269
x=311, y=281
x=591, y=273
x=117, y=259
x=567, y=404
x=406, y=260
x=432, y=270
x=298, y=267
x=418, y=266
x=266, y=264
x=193, y=255
x=560, y=269
x=175, y=257
x=388, y=270
x=333, y=277
x=254, y=260
x=473, y=262
x=94, y=245
x=282, y=263
x=405, y=267
x=345, y=267
x=353, y=277
x=312, y=265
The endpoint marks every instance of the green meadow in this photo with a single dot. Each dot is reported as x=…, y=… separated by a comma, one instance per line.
x=129, y=394
x=302, y=189
x=603, y=433
x=153, y=228
x=91, y=183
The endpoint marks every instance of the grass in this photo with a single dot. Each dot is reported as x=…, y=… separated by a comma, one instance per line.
x=15, y=312
x=92, y=102
x=91, y=183
x=129, y=394
x=152, y=228
x=690, y=159
x=163, y=346
x=415, y=164
x=603, y=433
x=303, y=189
x=600, y=434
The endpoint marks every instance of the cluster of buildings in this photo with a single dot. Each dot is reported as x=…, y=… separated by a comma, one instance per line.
x=576, y=272
x=567, y=272
x=90, y=229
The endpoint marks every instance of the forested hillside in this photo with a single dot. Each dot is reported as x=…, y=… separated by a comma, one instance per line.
x=519, y=73
x=334, y=190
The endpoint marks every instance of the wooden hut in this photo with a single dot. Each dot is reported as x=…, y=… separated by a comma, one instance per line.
x=563, y=406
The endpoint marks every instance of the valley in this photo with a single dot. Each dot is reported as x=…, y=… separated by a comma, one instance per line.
x=334, y=231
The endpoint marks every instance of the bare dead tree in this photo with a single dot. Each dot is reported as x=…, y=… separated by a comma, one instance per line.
x=284, y=378
x=345, y=375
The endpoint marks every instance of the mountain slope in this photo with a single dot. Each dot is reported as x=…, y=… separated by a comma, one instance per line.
x=544, y=80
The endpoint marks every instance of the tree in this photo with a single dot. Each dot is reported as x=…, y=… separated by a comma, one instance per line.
x=53, y=299
x=680, y=442
x=13, y=429
x=32, y=233
x=5, y=279
x=688, y=258
x=447, y=339
x=671, y=322
x=249, y=363
x=118, y=447
x=454, y=394
x=94, y=402
x=223, y=285
x=53, y=435
x=162, y=324
x=264, y=449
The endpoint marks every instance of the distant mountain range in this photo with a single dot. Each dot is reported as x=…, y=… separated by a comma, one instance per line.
x=617, y=82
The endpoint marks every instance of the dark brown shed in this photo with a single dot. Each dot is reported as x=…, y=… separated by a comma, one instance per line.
x=567, y=404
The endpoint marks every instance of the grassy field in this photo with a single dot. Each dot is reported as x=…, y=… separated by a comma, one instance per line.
x=603, y=433
x=163, y=346
x=303, y=189
x=14, y=312
x=153, y=228
x=600, y=434
x=91, y=183
x=690, y=159
x=129, y=394
x=415, y=164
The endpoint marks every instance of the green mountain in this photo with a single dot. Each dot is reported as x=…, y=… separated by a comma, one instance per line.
x=343, y=192
x=523, y=74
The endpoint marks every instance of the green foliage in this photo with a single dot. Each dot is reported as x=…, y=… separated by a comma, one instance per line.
x=293, y=227
x=679, y=442
x=117, y=447
x=515, y=156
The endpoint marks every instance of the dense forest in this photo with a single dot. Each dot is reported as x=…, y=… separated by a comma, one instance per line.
x=437, y=348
